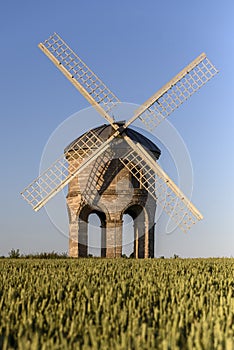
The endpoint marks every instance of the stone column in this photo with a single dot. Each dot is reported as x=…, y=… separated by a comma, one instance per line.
x=150, y=210
x=103, y=240
x=73, y=236
x=82, y=238
x=136, y=233
x=141, y=239
x=151, y=240
x=114, y=230
x=146, y=252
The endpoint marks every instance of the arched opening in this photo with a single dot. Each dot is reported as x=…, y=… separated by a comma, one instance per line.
x=94, y=235
x=91, y=232
x=138, y=236
x=128, y=236
x=97, y=234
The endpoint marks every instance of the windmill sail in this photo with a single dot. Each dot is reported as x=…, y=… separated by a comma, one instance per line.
x=151, y=177
x=80, y=75
x=64, y=169
x=175, y=92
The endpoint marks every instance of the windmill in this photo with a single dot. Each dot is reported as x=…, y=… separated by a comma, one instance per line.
x=93, y=150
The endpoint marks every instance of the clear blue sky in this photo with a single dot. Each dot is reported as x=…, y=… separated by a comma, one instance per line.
x=135, y=47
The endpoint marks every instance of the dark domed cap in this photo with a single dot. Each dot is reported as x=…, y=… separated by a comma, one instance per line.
x=106, y=130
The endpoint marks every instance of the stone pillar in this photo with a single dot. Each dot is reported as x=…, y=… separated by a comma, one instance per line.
x=73, y=236
x=151, y=232
x=141, y=239
x=150, y=227
x=146, y=250
x=103, y=241
x=114, y=230
x=136, y=234
x=119, y=239
x=82, y=238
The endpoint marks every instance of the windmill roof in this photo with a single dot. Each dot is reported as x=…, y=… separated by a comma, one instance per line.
x=106, y=130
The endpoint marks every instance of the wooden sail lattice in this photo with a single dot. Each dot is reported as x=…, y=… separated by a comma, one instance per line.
x=62, y=171
x=178, y=93
x=163, y=190
x=79, y=73
x=175, y=92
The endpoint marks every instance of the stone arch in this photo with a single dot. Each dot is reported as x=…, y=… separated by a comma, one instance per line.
x=139, y=216
x=143, y=221
x=82, y=228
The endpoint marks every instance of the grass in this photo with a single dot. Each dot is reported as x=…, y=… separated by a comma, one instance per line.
x=117, y=304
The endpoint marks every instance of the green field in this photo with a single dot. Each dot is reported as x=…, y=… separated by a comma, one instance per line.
x=117, y=304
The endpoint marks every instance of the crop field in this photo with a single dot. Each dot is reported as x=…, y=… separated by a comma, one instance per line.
x=117, y=304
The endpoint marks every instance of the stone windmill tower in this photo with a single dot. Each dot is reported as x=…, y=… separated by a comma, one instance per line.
x=109, y=189
x=112, y=169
